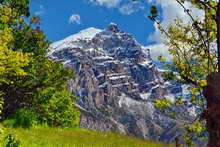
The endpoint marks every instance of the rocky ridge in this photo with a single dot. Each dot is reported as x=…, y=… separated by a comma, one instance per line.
x=116, y=83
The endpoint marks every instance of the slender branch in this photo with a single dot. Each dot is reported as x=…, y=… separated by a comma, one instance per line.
x=196, y=25
x=203, y=3
x=207, y=34
x=186, y=78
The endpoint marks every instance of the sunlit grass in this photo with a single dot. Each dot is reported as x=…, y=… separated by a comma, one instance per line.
x=56, y=137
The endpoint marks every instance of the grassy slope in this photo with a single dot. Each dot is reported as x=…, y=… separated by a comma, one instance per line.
x=54, y=137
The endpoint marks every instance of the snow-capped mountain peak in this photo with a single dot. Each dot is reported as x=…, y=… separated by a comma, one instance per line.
x=86, y=34
x=111, y=42
x=117, y=82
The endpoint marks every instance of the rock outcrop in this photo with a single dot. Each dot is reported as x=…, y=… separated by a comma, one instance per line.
x=116, y=83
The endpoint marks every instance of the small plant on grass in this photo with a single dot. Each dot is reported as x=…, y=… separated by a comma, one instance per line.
x=11, y=141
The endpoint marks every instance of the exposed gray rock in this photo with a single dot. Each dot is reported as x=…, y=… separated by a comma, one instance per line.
x=116, y=83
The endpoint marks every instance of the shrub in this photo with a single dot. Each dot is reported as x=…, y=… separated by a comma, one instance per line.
x=9, y=123
x=57, y=108
x=25, y=118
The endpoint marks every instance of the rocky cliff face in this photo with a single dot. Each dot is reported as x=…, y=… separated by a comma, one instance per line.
x=116, y=83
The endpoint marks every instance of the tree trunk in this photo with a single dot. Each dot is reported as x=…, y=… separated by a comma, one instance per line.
x=218, y=34
x=212, y=113
x=212, y=95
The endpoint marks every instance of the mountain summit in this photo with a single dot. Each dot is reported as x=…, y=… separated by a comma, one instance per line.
x=116, y=83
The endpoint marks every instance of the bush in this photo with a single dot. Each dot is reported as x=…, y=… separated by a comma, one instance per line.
x=9, y=123
x=57, y=108
x=25, y=118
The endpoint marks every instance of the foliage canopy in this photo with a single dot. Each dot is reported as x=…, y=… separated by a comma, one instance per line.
x=28, y=79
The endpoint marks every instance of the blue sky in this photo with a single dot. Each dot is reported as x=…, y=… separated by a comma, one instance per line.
x=59, y=19
x=55, y=17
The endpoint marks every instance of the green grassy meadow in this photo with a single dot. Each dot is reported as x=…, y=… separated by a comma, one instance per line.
x=57, y=137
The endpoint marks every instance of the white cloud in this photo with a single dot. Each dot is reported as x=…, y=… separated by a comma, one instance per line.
x=170, y=10
x=159, y=50
x=107, y=3
x=130, y=8
x=126, y=7
x=75, y=19
x=41, y=11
